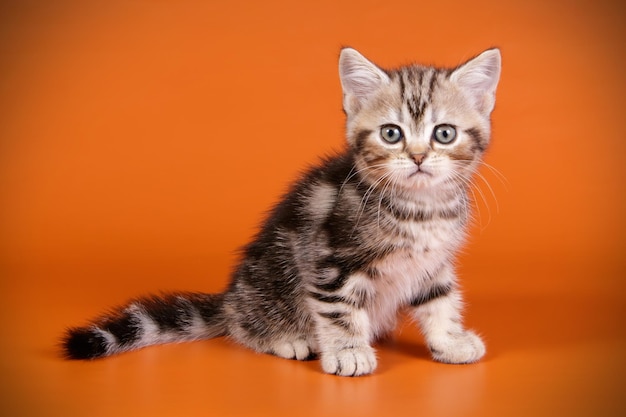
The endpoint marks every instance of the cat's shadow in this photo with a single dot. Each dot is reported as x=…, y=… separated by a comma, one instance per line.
x=399, y=349
x=521, y=322
x=513, y=323
x=403, y=346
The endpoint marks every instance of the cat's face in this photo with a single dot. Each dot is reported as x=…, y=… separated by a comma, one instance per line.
x=418, y=127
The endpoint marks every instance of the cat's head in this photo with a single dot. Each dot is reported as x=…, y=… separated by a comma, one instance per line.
x=418, y=127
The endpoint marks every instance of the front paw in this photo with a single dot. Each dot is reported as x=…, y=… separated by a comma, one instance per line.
x=462, y=347
x=353, y=361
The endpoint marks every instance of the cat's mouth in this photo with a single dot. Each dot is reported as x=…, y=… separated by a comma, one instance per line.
x=420, y=172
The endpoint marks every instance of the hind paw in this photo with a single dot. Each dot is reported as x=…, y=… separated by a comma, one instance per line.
x=297, y=349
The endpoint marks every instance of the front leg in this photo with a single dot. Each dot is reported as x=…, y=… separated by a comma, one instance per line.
x=343, y=329
x=344, y=343
x=438, y=311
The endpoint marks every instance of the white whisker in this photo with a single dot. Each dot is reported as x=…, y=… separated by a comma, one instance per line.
x=366, y=197
x=503, y=180
x=474, y=188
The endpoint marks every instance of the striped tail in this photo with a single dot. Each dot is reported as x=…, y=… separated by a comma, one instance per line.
x=148, y=321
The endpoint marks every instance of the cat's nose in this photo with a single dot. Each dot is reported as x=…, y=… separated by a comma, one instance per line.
x=418, y=158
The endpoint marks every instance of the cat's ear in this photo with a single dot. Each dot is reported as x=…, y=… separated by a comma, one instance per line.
x=479, y=78
x=360, y=79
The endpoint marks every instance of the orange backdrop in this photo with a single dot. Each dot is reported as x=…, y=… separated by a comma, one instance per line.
x=142, y=141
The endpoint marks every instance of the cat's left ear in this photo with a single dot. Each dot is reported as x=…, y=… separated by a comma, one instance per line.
x=479, y=78
x=360, y=79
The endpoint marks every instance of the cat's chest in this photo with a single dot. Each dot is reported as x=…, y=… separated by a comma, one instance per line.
x=412, y=250
x=402, y=273
x=399, y=277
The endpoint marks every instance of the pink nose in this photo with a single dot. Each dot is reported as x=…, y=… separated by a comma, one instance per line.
x=418, y=158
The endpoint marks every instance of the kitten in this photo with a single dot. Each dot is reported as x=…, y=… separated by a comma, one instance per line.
x=363, y=235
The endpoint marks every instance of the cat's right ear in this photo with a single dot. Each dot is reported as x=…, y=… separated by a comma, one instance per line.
x=479, y=78
x=359, y=77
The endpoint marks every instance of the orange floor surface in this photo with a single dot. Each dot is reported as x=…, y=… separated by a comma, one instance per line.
x=142, y=141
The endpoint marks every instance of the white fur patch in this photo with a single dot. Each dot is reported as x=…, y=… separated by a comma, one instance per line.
x=197, y=328
x=151, y=334
x=321, y=201
x=402, y=276
x=111, y=341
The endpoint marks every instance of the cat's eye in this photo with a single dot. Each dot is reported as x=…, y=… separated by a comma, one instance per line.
x=391, y=133
x=444, y=134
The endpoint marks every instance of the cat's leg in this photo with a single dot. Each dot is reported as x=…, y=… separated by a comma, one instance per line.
x=274, y=337
x=438, y=311
x=266, y=329
x=344, y=343
x=343, y=329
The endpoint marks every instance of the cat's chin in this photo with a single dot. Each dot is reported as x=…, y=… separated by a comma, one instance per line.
x=423, y=182
x=420, y=180
x=419, y=185
x=420, y=173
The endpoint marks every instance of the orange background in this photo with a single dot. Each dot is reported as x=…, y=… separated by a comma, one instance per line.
x=142, y=141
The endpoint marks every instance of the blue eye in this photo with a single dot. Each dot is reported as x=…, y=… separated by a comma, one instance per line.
x=391, y=134
x=444, y=134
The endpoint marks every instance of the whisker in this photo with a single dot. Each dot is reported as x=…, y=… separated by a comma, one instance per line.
x=390, y=186
x=462, y=189
x=380, y=201
x=471, y=187
x=354, y=173
x=493, y=194
x=366, y=197
x=503, y=180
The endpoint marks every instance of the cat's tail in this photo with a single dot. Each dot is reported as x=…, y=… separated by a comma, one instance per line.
x=148, y=321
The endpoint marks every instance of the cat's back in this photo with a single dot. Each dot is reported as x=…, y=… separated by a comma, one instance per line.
x=311, y=198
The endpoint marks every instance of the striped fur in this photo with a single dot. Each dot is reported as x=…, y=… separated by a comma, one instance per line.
x=361, y=236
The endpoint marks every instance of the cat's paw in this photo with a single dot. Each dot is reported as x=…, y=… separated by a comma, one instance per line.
x=297, y=349
x=463, y=347
x=354, y=361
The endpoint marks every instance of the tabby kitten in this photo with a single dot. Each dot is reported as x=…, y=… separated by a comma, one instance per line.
x=363, y=235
